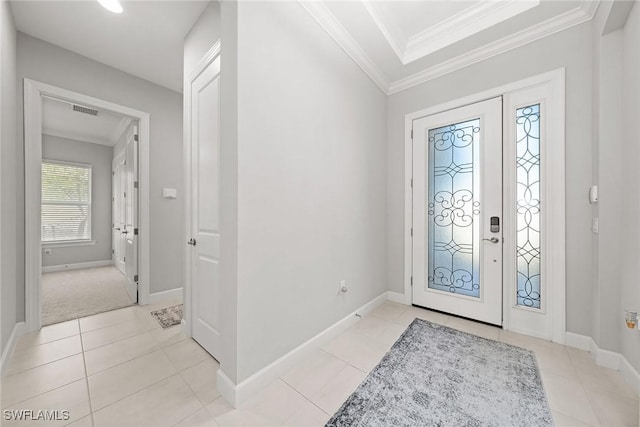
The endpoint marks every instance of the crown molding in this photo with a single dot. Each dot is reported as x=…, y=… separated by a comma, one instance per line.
x=391, y=33
x=319, y=11
x=466, y=23
x=69, y=135
x=327, y=20
x=573, y=17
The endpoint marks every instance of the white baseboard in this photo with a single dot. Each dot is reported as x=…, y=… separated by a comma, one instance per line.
x=629, y=373
x=396, y=297
x=76, y=266
x=580, y=342
x=18, y=330
x=240, y=393
x=605, y=358
x=226, y=388
x=157, y=297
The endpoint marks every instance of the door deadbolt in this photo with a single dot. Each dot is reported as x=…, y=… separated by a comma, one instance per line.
x=495, y=224
x=192, y=242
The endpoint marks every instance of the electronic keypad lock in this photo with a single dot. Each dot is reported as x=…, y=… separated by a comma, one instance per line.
x=495, y=224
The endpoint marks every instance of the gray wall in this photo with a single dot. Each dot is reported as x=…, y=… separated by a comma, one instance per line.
x=311, y=179
x=99, y=157
x=8, y=179
x=42, y=61
x=229, y=188
x=204, y=34
x=610, y=152
x=571, y=49
x=630, y=285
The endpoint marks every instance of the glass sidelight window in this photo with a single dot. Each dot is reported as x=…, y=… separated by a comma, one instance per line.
x=528, y=198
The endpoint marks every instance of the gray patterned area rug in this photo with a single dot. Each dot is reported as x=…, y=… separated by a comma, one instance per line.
x=438, y=376
x=169, y=316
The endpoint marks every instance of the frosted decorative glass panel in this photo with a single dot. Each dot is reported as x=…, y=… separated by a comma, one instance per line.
x=528, y=205
x=454, y=208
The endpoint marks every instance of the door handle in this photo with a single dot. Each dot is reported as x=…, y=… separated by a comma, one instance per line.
x=125, y=232
x=192, y=242
x=493, y=240
x=117, y=228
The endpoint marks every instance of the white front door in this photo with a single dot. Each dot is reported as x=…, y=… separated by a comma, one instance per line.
x=119, y=212
x=457, y=211
x=131, y=212
x=204, y=207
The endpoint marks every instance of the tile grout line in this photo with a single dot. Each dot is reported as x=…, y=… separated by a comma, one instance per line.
x=203, y=406
x=150, y=385
x=305, y=397
x=10, y=374
x=121, y=339
x=86, y=379
x=156, y=347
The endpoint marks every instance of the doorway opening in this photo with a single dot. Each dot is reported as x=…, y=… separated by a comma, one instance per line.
x=86, y=239
x=86, y=215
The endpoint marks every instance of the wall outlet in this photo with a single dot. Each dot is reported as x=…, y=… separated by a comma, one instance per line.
x=48, y=251
x=343, y=286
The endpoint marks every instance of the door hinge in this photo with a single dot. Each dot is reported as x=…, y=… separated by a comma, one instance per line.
x=412, y=134
x=411, y=231
x=411, y=182
x=135, y=278
x=113, y=251
x=113, y=173
x=124, y=259
x=135, y=138
x=411, y=280
x=135, y=231
x=124, y=195
x=135, y=184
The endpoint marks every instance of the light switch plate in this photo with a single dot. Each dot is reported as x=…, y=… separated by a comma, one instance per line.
x=169, y=193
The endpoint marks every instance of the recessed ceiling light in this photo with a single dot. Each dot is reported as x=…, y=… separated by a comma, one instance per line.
x=111, y=5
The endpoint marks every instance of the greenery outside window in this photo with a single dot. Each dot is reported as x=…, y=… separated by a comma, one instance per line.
x=66, y=202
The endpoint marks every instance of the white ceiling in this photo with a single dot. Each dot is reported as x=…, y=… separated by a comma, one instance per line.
x=59, y=119
x=398, y=43
x=146, y=40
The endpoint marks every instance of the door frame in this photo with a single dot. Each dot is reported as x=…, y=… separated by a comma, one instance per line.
x=34, y=91
x=554, y=246
x=117, y=157
x=204, y=62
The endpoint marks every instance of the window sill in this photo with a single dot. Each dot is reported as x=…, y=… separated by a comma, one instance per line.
x=68, y=244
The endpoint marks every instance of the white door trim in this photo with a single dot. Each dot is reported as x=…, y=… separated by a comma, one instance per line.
x=204, y=62
x=555, y=244
x=33, y=93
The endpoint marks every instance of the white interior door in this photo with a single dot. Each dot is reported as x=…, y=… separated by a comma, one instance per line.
x=118, y=211
x=205, y=207
x=131, y=212
x=457, y=211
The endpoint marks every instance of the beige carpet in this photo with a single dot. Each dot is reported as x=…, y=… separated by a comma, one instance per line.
x=71, y=294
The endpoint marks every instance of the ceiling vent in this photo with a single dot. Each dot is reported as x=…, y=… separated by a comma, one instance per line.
x=85, y=110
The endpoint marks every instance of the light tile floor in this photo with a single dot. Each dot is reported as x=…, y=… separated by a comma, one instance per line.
x=121, y=369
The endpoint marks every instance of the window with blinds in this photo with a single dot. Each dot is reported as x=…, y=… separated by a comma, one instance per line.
x=66, y=202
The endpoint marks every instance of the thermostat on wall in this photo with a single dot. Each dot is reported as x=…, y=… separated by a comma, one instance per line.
x=169, y=193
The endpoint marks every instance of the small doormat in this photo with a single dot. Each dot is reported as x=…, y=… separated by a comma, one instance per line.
x=169, y=316
x=438, y=376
